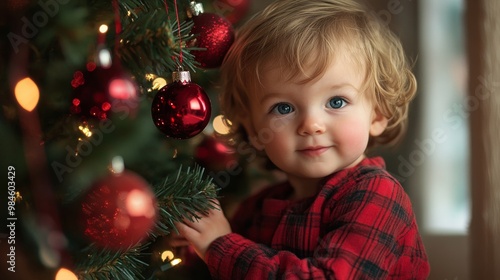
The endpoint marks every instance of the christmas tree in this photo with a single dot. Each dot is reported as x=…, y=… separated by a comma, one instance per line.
x=109, y=112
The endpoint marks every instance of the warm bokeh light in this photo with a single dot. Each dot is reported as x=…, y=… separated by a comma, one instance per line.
x=103, y=28
x=18, y=197
x=220, y=126
x=27, y=94
x=85, y=130
x=167, y=255
x=139, y=203
x=65, y=274
x=175, y=262
x=105, y=58
x=150, y=76
x=170, y=264
x=117, y=165
x=158, y=83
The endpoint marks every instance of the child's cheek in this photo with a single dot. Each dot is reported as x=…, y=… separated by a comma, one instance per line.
x=353, y=135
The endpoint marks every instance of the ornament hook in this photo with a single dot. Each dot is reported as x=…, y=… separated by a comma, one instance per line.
x=195, y=9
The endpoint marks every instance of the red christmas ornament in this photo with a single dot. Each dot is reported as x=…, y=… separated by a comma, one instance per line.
x=99, y=91
x=181, y=109
x=214, y=155
x=214, y=34
x=119, y=211
x=232, y=10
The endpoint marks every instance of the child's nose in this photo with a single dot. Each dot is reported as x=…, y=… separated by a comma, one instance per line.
x=311, y=124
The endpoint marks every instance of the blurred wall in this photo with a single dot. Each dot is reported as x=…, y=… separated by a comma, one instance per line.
x=484, y=91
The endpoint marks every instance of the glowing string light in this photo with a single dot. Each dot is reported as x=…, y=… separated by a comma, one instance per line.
x=103, y=28
x=158, y=83
x=168, y=256
x=65, y=274
x=171, y=264
x=220, y=125
x=27, y=94
x=85, y=130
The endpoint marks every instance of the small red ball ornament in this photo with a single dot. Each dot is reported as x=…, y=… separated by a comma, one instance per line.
x=214, y=154
x=119, y=211
x=99, y=91
x=181, y=109
x=214, y=34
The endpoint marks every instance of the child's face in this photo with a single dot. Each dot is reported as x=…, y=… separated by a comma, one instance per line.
x=314, y=129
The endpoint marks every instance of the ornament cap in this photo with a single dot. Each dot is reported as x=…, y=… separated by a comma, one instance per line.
x=181, y=76
x=195, y=9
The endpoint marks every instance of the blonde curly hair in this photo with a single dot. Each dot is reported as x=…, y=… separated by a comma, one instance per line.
x=302, y=37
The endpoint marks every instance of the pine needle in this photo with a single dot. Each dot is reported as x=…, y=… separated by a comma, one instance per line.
x=97, y=263
x=186, y=196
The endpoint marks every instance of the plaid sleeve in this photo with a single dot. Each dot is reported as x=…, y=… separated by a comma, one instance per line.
x=371, y=234
x=235, y=257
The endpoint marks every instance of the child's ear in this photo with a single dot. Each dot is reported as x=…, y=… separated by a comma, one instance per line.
x=253, y=136
x=378, y=124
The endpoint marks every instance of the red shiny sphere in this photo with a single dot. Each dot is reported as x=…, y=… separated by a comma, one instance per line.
x=119, y=211
x=181, y=110
x=214, y=155
x=215, y=35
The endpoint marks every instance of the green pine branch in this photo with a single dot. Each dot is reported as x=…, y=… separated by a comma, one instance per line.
x=186, y=196
x=151, y=45
x=153, y=41
x=100, y=264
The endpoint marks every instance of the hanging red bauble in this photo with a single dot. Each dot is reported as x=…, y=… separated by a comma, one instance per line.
x=214, y=154
x=181, y=109
x=99, y=91
x=119, y=211
x=233, y=10
x=215, y=35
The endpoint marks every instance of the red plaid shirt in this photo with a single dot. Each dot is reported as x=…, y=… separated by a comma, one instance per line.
x=359, y=226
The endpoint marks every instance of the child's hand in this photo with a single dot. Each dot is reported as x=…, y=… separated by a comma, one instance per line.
x=203, y=232
x=176, y=240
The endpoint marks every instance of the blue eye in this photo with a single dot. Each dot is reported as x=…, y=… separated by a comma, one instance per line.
x=336, y=103
x=282, y=109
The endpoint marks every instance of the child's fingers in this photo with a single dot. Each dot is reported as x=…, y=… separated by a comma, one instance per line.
x=216, y=202
x=186, y=231
x=196, y=224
